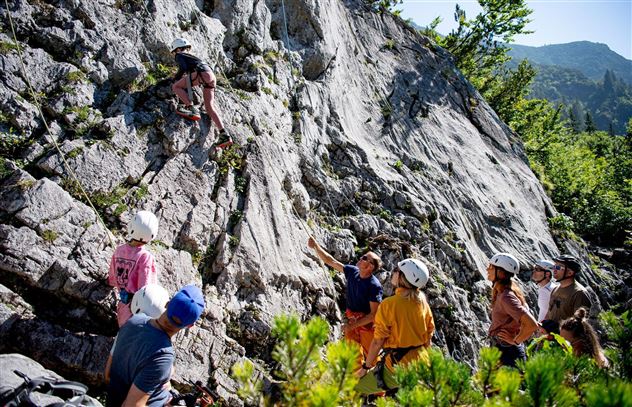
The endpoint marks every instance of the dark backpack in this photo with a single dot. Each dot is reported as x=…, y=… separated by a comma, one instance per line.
x=73, y=393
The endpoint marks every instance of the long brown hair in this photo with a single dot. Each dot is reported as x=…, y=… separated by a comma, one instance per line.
x=585, y=341
x=503, y=282
x=410, y=292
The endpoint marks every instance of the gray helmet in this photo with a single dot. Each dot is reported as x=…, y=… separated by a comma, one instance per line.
x=547, y=265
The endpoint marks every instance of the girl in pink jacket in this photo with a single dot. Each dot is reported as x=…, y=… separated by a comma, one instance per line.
x=132, y=265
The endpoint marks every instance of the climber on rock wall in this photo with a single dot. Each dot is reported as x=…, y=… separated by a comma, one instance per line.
x=192, y=71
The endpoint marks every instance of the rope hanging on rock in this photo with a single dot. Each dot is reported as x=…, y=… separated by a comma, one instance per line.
x=49, y=137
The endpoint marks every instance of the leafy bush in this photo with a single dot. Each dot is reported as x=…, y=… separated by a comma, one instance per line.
x=314, y=373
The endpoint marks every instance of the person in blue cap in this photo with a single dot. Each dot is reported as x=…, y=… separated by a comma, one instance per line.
x=142, y=362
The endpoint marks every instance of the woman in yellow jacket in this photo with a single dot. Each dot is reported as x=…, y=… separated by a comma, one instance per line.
x=403, y=328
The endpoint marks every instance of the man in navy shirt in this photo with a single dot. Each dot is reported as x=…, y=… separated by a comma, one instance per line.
x=143, y=358
x=364, y=294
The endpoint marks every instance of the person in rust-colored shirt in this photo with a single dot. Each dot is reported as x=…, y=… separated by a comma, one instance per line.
x=512, y=323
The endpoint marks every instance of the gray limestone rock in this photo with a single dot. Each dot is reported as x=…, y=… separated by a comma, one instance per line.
x=363, y=146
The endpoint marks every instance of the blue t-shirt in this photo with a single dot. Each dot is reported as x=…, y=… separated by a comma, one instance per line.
x=361, y=291
x=144, y=357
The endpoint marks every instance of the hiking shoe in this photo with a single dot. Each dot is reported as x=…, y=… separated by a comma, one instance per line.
x=224, y=140
x=190, y=112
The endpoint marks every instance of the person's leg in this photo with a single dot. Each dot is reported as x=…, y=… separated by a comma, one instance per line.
x=366, y=337
x=207, y=80
x=354, y=338
x=509, y=355
x=180, y=89
x=368, y=383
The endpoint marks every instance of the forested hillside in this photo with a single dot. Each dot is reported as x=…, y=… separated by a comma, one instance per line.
x=605, y=104
x=589, y=58
x=557, y=112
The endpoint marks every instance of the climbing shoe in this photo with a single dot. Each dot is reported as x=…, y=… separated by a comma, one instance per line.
x=224, y=140
x=189, y=112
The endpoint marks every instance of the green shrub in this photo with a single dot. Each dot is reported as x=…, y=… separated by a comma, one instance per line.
x=240, y=184
x=230, y=158
x=312, y=373
x=76, y=76
x=316, y=373
x=49, y=235
x=7, y=46
x=12, y=142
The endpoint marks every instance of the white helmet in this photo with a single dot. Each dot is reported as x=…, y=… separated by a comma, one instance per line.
x=545, y=264
x=143, y=227
x=506, y=262
x=179, y=43
x=150, y=300
x=415, y=272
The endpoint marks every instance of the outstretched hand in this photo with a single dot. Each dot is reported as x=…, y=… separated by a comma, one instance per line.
x=311, y=243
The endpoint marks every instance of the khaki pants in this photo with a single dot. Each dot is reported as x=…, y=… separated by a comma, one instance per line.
x=368, y=382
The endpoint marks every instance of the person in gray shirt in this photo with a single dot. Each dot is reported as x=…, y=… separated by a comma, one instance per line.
x=143, y=358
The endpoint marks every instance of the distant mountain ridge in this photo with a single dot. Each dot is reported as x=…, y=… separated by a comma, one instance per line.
x=590, y=58
x=587, y=77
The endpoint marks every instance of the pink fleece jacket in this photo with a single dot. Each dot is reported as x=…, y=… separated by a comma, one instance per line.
x=131, y=268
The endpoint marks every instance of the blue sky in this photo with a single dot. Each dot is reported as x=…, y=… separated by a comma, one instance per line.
x=554, y=21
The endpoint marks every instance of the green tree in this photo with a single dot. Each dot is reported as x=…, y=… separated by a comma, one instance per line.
x=479, y=45
x=312, y=373
x=588, y=123
x=573, y=121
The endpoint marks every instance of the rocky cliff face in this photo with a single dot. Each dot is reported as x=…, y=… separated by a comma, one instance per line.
x=350, y=125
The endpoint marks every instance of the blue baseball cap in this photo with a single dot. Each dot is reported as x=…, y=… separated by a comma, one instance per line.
x=186, y=306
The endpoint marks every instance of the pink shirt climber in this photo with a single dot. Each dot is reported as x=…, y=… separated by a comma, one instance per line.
x=131, y=268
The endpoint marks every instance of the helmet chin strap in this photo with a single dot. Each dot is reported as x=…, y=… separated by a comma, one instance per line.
x=496, y=276
x=564, y=277
x=543, y=278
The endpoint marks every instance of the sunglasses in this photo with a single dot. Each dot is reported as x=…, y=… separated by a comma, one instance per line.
x=557, y=267
x=370, y=260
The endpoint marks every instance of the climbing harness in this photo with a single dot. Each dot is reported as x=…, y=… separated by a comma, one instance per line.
x=48, y=131
x=396, y=355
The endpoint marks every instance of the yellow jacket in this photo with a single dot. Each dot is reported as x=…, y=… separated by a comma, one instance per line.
x=404, y=323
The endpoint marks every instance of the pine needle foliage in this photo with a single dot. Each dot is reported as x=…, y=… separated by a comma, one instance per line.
x=314, y=372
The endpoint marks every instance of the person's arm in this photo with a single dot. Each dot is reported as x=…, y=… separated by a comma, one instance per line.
x=528, y=326
x=324, y=256
x=135, y=397
x=519, y=312
x=112, y=272
x=430, y=325
x=582, y=299
x=108, y=366
x=146, y=273
x=371, y=357
x=367, y=319
x=182, y=67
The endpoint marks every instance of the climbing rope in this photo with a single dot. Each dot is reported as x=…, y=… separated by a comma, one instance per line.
x=49, y=137
x=287, y=38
